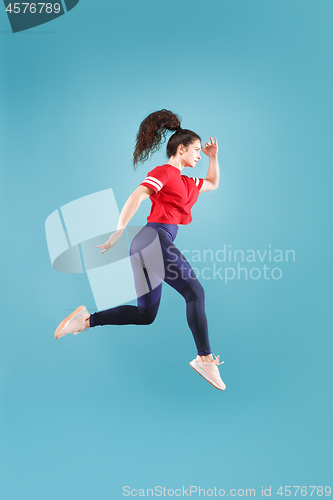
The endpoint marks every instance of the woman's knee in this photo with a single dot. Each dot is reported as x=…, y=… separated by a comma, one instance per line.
x=149, y=319
x=193, y=290
x=148, y=315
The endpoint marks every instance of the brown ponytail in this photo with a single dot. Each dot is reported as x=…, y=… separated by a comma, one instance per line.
x=152, y=132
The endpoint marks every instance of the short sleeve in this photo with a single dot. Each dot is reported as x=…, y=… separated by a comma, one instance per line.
x=198, y=182
x=156, y=179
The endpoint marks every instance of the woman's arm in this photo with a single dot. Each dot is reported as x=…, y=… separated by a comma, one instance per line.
x=129, y=209
x=213, y=175
x=131, y=206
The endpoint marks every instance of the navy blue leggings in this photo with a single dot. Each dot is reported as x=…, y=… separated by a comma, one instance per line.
x=155, y=259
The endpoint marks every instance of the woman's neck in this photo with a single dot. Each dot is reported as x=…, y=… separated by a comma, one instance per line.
x=176, y=162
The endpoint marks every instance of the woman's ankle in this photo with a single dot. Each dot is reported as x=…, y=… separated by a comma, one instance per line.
x=87, y=322
x=207, y=358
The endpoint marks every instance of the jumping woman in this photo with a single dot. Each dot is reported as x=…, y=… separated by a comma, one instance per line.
x=154, y=256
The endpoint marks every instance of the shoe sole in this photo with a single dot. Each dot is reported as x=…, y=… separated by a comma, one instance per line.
x=197, y=369
x=65, y=322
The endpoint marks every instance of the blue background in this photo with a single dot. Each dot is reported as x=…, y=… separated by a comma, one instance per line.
x=116, y=406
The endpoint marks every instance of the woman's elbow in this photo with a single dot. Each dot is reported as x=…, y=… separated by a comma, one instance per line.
x=142, y=193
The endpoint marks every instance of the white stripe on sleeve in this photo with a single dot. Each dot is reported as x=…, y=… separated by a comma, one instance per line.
x=158, y=182
x=152, y=183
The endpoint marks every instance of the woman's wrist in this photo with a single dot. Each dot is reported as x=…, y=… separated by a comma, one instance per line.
x=116, y=234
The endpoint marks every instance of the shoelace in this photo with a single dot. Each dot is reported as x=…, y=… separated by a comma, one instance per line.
x=215, y=361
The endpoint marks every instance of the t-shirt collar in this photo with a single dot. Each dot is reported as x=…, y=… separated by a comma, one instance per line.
x=168, y=164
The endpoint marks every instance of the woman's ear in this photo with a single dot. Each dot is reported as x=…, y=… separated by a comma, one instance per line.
x=180, y=149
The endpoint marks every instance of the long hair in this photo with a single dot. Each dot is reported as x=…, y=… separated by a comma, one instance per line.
x=152, y=133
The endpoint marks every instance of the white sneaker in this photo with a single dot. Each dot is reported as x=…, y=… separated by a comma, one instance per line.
x=209, y=370
x=74, y=323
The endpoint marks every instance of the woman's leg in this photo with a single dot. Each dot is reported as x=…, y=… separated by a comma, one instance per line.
x=148, y=295
x=180, y=276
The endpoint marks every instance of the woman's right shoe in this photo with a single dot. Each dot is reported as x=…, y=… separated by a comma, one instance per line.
x=209, y=371
x=74, y=323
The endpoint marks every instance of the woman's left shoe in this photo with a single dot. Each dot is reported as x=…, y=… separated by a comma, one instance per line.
x=209, y=371
x=74, y=323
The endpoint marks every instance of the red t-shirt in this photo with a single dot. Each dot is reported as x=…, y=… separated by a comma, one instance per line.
x=174, y=195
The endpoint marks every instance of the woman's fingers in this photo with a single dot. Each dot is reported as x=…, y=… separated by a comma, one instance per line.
x=105, y=247
x=209, y=147
x=211, y=142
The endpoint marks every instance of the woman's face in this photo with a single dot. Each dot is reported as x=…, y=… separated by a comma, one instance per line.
x=191, y=154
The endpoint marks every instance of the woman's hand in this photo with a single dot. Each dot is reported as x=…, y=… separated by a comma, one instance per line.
x=210, y=148
x=111, y=241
